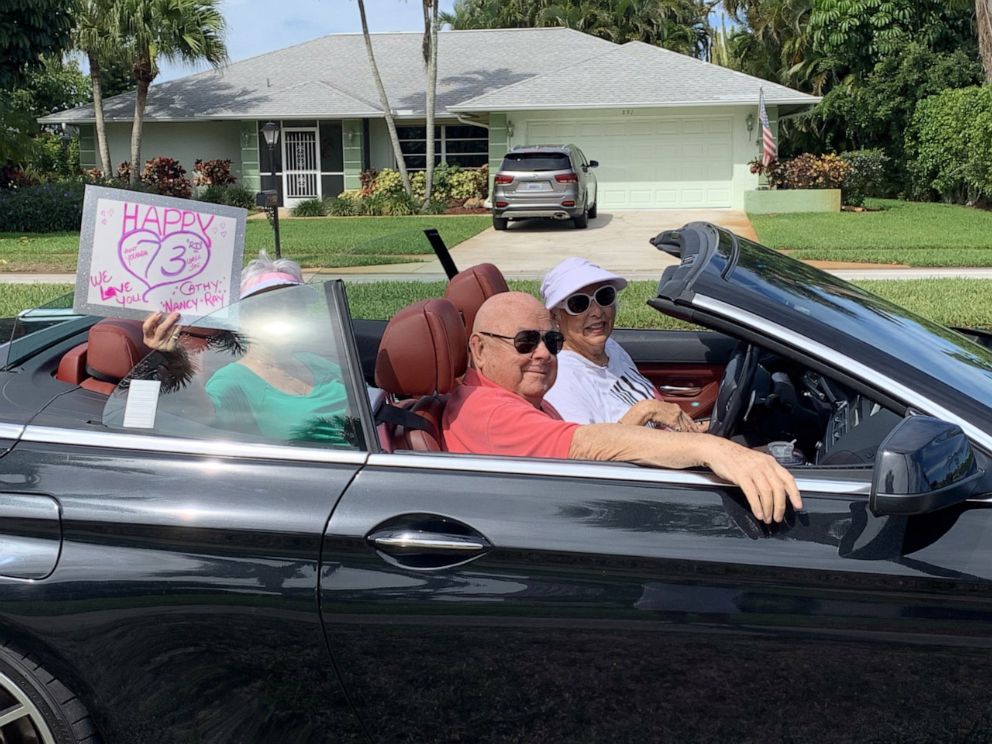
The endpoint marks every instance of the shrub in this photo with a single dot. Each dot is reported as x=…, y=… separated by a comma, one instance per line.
x=212, y=195
x=167, y=176
x=950, y=145
x=367, y=179
x=239, y=196
x=12, y=177
x=469, y=183
x=345, y=204
x=867, y=174
x=48, y=207
x=804, y=171
x=53, y=159
x=212, y=173
x=387, y=181
x=124, y=172
x=310, y=208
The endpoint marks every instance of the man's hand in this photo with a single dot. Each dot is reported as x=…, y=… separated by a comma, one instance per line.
x=161, y=333
x=765, y=483
x=660, y=412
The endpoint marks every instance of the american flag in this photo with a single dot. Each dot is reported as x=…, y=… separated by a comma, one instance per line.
x=769, y=152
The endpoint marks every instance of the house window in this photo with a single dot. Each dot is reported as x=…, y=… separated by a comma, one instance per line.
x=456, y=144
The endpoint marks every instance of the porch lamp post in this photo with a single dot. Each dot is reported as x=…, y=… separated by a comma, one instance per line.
x=271, y=133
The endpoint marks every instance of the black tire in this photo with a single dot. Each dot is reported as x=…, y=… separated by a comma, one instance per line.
x=593, y=211
x=499, y=223
x=49, y=706
x=581, y=221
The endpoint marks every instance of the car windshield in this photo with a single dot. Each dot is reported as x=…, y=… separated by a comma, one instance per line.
x=844, y=316
x=536, y=161
x=33, y=327
x=279, y=378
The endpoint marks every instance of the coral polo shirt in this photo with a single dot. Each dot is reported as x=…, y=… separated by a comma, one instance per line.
x=482, y=418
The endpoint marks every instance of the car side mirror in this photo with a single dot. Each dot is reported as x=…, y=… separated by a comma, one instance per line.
x=593, y=163
x=924, y=464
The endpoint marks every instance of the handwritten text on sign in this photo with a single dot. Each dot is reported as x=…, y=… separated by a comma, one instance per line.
x=160, y=256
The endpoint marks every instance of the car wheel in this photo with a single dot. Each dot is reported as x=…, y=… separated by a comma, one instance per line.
x=593, y=211
x=37, y=707
x=581, y=220
x=499, y=223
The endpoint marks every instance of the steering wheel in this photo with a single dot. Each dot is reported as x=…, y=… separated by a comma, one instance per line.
x=735, y=386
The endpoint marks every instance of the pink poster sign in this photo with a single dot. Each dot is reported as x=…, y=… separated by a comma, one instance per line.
x=140, y=253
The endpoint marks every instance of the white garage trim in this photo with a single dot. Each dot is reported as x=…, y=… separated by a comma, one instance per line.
x=664, y=162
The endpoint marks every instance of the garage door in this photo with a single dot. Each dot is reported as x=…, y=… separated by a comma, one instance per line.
x=653, y=163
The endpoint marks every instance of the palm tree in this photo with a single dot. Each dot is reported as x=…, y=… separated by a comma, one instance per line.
x=186, y=30
x=431, y=27
x=384, y=100
x=94, y=36
x=983, y=20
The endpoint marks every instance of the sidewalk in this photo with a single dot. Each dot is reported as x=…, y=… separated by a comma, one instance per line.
x=416, y=273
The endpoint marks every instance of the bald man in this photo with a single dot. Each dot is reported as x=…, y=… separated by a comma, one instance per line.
x=499, y=409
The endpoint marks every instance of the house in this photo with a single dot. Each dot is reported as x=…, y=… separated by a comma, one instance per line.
x=668, y=130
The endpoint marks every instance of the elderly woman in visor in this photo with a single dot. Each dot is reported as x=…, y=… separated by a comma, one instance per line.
x=597, y=380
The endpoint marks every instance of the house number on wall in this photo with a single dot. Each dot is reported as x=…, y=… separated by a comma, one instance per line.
x=626, y=112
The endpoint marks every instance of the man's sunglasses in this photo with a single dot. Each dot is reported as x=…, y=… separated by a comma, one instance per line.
x=579, y=302
x=526, y=341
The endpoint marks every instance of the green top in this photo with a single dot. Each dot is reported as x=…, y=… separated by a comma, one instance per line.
x=243, y=401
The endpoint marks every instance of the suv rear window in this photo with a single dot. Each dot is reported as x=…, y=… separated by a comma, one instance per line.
x=536, y=161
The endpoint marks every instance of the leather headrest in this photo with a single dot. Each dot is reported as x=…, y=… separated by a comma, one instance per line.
x=115, y=346
x=424, y=350
x=468, y=289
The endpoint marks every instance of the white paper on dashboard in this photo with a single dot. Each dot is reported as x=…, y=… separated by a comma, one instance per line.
x=142, y=402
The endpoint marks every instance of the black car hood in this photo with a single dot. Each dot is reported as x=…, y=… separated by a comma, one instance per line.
x=724, y=277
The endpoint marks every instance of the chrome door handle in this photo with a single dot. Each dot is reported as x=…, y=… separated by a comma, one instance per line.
x=414, y=541
x=679, y=390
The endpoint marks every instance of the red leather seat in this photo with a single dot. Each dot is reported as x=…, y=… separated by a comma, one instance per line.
x=423, y=352
x=468, y=289
x=112, y=349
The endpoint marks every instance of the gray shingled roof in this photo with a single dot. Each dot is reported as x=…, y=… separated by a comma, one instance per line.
x=634, y=75
x=330, y=76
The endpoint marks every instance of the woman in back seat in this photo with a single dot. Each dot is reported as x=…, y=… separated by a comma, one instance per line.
x=286, y=395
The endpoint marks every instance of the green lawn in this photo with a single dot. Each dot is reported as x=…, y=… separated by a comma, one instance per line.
x=330, y=242
x=911, y=233
x=955, y=302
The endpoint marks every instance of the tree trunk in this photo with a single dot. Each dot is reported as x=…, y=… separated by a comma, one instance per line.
x=983, y=20
x=143, y=76
x=384, y=100
x=101, y=128
x=430, y=52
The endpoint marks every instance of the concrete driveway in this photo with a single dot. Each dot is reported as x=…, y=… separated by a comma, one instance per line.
x=617, y=240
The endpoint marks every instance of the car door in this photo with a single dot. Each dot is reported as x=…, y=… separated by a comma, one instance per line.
x=498, y=599
x=685, y=366
x=180, y=600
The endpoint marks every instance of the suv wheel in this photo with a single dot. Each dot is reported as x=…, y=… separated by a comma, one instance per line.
x=593, y=210
x=581, y=220
x=499, y=223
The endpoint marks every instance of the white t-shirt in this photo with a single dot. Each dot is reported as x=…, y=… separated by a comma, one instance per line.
x=589, y=394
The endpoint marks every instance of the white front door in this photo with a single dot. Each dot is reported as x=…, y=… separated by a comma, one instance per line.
x=651, y=162
x=301, y=172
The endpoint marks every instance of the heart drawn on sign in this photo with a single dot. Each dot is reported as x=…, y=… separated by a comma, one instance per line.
x=159, y=262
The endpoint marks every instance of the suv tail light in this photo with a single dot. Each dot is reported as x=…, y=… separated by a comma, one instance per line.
x=500, y=178
x=565, y=178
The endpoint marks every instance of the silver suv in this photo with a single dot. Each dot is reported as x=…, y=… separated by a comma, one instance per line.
x=544, y=181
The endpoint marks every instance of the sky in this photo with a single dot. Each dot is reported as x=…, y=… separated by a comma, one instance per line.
x=258, y=26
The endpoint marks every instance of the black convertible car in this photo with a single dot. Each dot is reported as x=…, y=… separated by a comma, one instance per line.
x=167, y=577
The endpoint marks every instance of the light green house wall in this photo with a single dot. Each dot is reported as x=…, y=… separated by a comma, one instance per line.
x=499, y=143
x=251, y=177
x=184, y=141
x=380, y=148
